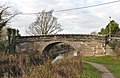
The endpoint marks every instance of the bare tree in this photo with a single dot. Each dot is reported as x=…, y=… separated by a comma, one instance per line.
x=44, y=24
x=5, y=17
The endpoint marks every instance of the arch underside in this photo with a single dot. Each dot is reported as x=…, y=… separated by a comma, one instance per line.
x=46, y=50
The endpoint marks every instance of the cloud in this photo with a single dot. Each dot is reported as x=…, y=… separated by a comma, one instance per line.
x=75, y=21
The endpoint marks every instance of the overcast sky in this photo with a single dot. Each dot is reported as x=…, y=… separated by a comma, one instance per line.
x=81, y=21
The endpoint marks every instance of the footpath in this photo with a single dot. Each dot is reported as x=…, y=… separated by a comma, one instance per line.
x=105, y=72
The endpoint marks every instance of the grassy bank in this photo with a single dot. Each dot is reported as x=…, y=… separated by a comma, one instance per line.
x=68, y=68
x=112, y=63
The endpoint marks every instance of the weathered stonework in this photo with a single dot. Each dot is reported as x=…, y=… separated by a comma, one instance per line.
x=87, y=45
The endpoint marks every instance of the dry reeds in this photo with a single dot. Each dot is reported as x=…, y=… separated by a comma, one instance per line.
x=70, y=67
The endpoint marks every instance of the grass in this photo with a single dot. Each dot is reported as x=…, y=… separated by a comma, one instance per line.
x=111, y=62
x=90, y=72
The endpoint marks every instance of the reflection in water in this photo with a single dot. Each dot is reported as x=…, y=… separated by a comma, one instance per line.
x=57, y=58
x=61, y=56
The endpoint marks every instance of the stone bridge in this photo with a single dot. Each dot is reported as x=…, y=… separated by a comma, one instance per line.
x=87, y=45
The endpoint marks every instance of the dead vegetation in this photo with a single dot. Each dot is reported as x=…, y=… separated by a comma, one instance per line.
x=32, y=66
x=70, y=67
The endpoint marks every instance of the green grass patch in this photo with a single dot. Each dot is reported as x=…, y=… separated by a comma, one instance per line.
x=90, y=72
x=112, y=63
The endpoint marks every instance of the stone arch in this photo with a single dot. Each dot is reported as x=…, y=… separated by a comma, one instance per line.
x=48, y=46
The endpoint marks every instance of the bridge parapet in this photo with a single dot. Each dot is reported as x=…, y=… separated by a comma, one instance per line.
x=59, y=37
